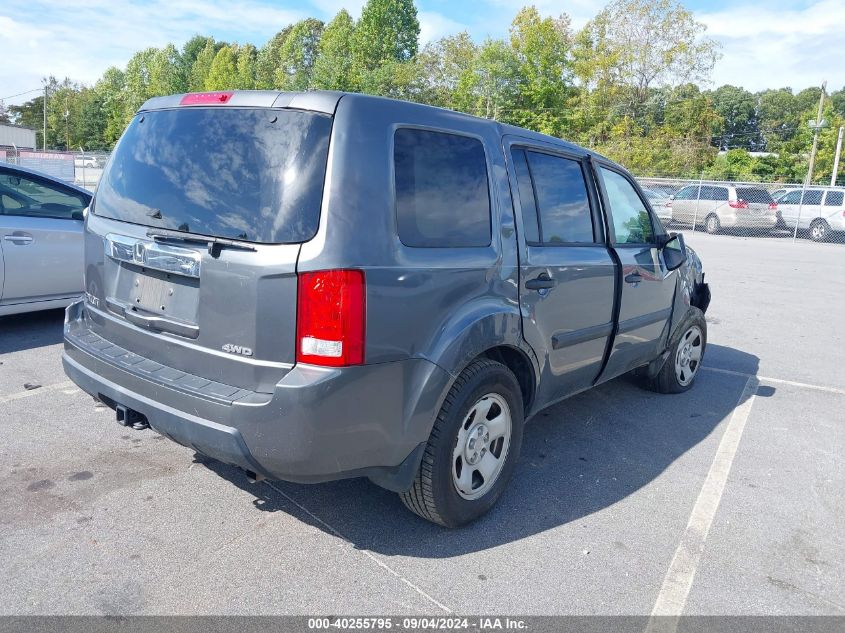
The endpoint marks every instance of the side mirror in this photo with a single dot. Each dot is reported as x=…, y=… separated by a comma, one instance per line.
x=674, y=251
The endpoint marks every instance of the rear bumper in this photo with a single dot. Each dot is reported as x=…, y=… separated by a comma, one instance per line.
x=747, y=221
x=319, y=424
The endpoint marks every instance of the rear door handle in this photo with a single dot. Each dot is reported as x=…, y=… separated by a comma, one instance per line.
x=634, y=278
x=543, y=282
x=19, y=239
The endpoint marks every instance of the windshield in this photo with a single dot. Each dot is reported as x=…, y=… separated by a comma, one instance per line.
x=249, y=174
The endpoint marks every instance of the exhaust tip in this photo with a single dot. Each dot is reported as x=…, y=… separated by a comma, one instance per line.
x=254, y=477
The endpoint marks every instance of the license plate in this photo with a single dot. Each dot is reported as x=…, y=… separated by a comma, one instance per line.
x=155, y=295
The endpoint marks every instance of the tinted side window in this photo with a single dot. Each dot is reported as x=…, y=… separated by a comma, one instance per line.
x=834, y=198
x=813, y=197
x=442, y=192
x=526, y=197
x=687, y=193
x=714, y=193
x=631, y=220
x=562, y=200
x=793, y=197
x=31, y=197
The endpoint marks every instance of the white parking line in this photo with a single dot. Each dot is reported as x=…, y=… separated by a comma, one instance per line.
x=676, y=585
x=366, y=553
x=780, y=381
x=34, y=392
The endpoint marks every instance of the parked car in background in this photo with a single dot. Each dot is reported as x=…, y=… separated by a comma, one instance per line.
x=666, y=189
x=660, y=203
x=40, y=240
x=718, y=207
x=777, y=194
x=88, y=161
x=394, y=308
x=820, y=211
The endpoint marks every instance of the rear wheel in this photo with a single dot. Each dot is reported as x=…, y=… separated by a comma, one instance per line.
x=472, y=449
x=681, y=367
x=819, y=230
x=711, y=224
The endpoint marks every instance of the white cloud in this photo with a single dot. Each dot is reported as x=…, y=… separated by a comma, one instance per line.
x=81, y=38
x=767, y=48
x=434, y=25
x=330, y=8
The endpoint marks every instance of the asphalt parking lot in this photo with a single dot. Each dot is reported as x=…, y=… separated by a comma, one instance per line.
x=724, y=500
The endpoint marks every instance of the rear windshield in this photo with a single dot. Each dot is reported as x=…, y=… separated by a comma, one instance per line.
x=754, y=194
x=248, y=174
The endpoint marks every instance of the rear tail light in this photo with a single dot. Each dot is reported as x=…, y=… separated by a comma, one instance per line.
x=738, y=204
x=330, y=318
x=206, y=98
x=773, y=205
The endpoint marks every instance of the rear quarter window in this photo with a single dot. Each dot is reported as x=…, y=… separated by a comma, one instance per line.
x=714, y=193
x=442, y=189
x=834, y=198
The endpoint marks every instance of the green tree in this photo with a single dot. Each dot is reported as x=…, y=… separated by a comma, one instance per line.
x=388, y=31
x=740, y=125
x=137, y=81
x=333, y=65
x=640, y=44
x=268, y=60
x=447, y=69
x=541, y=49
x=190, y=51
x=201, y=67
x=166, y=72
x=111, y=98
x=245, y=71
x=30, y=114
x=222, y=74
x=298, y=54
x=493, y=89
x=90, y=127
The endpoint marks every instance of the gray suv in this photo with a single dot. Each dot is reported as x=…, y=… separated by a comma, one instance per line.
x=315, y=286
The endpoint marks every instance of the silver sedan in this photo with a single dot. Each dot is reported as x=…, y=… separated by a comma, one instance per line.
x=41, y=222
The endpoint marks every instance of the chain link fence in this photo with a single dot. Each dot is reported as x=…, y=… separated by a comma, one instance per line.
x=755, y=209
x=80, y=168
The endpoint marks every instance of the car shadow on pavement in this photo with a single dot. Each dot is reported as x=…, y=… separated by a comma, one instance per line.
x=31, y=330
x=578, y=457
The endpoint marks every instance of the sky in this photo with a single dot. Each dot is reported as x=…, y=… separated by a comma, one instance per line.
x=765, y=43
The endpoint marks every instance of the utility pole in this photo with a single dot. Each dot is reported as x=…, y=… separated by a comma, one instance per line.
x=836, y=158
x=44, y=138
x=67, y=128
x=817, y=125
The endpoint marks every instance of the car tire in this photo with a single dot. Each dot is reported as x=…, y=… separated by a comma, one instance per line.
x=685, y=356
x=485, y=388
x=711, y=224
x=819, y=231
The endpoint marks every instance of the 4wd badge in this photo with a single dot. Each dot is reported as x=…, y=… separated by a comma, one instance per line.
x=237, y=349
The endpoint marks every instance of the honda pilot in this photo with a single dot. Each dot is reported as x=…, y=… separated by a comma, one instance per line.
x=317, y=286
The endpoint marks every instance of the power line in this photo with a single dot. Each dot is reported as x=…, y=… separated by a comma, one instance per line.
x=20, y=94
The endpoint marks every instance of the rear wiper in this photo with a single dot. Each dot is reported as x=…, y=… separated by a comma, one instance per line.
x=215, y=244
